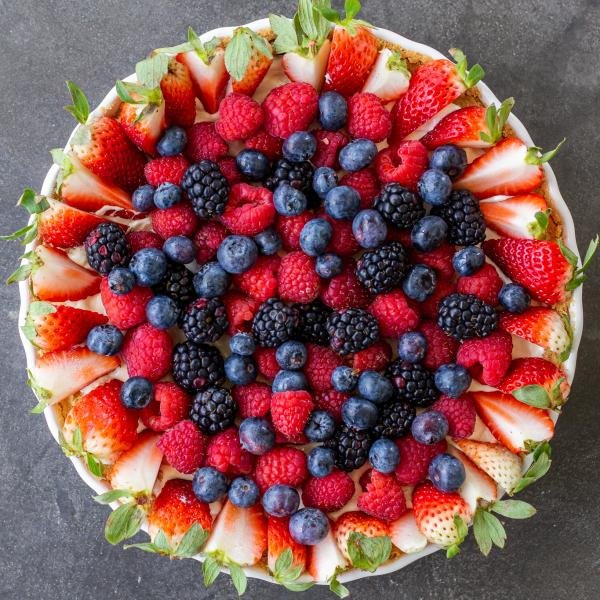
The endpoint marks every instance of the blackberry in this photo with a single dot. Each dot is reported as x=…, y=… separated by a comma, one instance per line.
x=465, y=316
x=351, y=447
x=213, y=410
x=466, y=225
x=414, y=383
x=313, y=323
x=399, y=206
x=298, y=175
x=352, y=330
x=106, y=247
x=196, y=366
x=395, y=419
x=177, y=284
x=274, y=323
x=207, y=188
x=382, y=269
x=204, y=320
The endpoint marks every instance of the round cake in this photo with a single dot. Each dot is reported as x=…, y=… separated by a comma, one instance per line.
x=300, y=300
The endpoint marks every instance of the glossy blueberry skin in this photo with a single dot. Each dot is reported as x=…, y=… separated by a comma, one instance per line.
x=252, y=164
x=209, y=484
x=315, y=237
x=211, y=280
x=180, y=249
x=514, y=298
x=434, y=187
x=446, y=472
x=369, y=228
x=104, y=339
x=452, y=379
x=428, y=233
x=121, y=281
x=243, y=492
x=242, y=343
x=328, y=265
x=162, y=312
x=384, y=455
x=333, y=111
x=256, y=435
x=420, y=283
x=149, y=265
x=359, y=413
x=375, y=387
x=450, y=159
x=237, y=253
x=268, y=242
x=344, y=379
x=291, y=355
x=320, y=461
x=288, y=381
x=289, y=201
x=309, y=526
x=320, y=426
x=142, y=198
x=342, y=202
x=468, y=260
x=167, y=195
x=299, y=146
x=281, y=500
x=324, y=179
x=136, y=392
x=429, y=427
x=172, y=142
x=412, y=346
x=357, y=155
x=240, y=370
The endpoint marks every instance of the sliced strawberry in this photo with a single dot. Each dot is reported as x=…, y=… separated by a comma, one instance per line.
x=309, y=69
x=356, y=522
x=279, y=539
x=389, y=78
x=143, y=124
x=325, y=559
x=405, y=534
x=178, y=92
x=246, y=74
x=524, y=216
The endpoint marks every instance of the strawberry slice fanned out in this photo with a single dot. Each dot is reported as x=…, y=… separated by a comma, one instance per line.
x=524, y=216
x=405, y=534
x=178, y=92
x=389, y=78
x=278, y=539
x=325, y=559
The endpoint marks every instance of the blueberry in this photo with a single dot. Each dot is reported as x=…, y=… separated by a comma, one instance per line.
x=324, y=179
x=242, y=343
x=450, y=159
x=209, y=484
x=429, y=427
x=172, y=142
x=211, y=280
x=162, y=312
x=359, y=413
x=256, y=435
x=452, y=379
x=309, y=526
x=237, y=253
x=428, y=233
x=420, y=283
x=333, y=111
x=136, y=392
x=342, y=202
x=446, y=472
x=468, y=260
x=369, y=228
x=384, y=455
x=243, y=492
x=412, y=346
x=288, y=200
x=179, y=249
x=142, y=198
x=104, y=339
x=320, y=461
x=281, y=500
x=344, y=379
x=514, y=298
x=375, y=387
x=357, y=155
x=149, y=265
x=315, y=236
x=300, y=146
x=239, y=369
x=328, y=265
x=121, y=281
x=320, y=426
x=268, y=241
x=291, y=355
x=167, y=195
x=254, y=165
x=434, y=187
x=287, y=381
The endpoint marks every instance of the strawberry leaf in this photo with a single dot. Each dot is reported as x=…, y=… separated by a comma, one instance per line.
x=534, y=395
x=513, y=509
x=470, y=76
x=123, y=523
x=538, y=227
x=539, y=467
x=39, y=308
x=488, y=531
x=80, y=108
x=286, y=574
x=238, y=578
x=287, y=39
x=192, y=542
x=535, y=156
x=396, y=63
x=340, y=590
x=33, y=203
x=145, y=546
x=461, y=533
x=94, y=465
x=22, y=273
x=579, y=276
x=495, y=119
x=238, y=53
x=211, y=568
x=367, y=553
x=112, y=496
x=150, y=71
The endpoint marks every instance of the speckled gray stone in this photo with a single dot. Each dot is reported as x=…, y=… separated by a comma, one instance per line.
x=546, y=53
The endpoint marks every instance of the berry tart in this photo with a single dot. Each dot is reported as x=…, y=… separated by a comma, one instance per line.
x=301, y=300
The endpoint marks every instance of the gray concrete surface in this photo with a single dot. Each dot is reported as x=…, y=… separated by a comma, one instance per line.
x=546, y=53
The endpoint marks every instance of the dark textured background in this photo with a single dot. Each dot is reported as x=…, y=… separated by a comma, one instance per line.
x=546, y=53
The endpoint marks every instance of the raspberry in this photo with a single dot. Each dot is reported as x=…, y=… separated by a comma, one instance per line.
x=331, y=401
x=225, y=453
x=298, y=281
x=260, y=280
x=203, y=141
x=128, y=310
x=267, y=144
x=290, y=411
x=290, y=107
x=298, y=438
x=395, y=315
x=240, y=311
x=253, y=399
x=320, y=363
x=147, y=352
x=239, y=117
x=166, y=169
x=368, y=117
x=177, y=220
x=250, y=209
x=342, y=241
x=143, y=239
x=170, y=405
x=459, y=412
x=183, y=446
x=329, y=144
x=282, y=465
x=414, y=459
x=439, y=259
x=365, y=182
x=403, y=164
x=441, y=348
x=383, y=497
x=289, y=229
x=208, y=238
x=484, y=284
x=266, y=361
x=443, y=288
x=487, y=359
x=345, y=291
x=328, y=493
x=373, y=358
x=230, y=171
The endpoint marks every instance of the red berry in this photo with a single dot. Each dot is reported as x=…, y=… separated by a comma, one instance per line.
x=414, y=459
x=260, y=280
x=394, y=314
x=177, y=220
x=240, y=311
x=266, y=361
x=170, y=406
x=488, y=358
x=290, y=411
x=225, y=453
x=484, y=283
x=533, y=370
x=253, y=399
x=368, y=117
x=267, y=144
x=345, y=291
x=298, y=280
x=329, y=144
x=183, y=446
x=127, y=310
x=230, y=171
x=373, y=358
x=207, y=239
x=441, y=348
x=328, y=493
x=342, y=241
x=459, y=412
x=249, y=210
x=290, y=107
x=365, y=182
x=383, y=497
x=331, y=401
x=320, y=363
x=404, y=164
x=282, y=465
x=443, y=288
x=439, y=259
x=239, y=117
x=166, y=169
x=289, y=229
x=143, y=239
x=147, y=352
x=203, y=142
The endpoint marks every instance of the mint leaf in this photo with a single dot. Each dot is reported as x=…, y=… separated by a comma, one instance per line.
x=210, y=570
x=238, y=578
x=80, y=108
x=513, y=509
x=192, y=542
x=112, y=496
x=534, y=395
x=368, y=553
x=284, y=561
x=123, y=523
